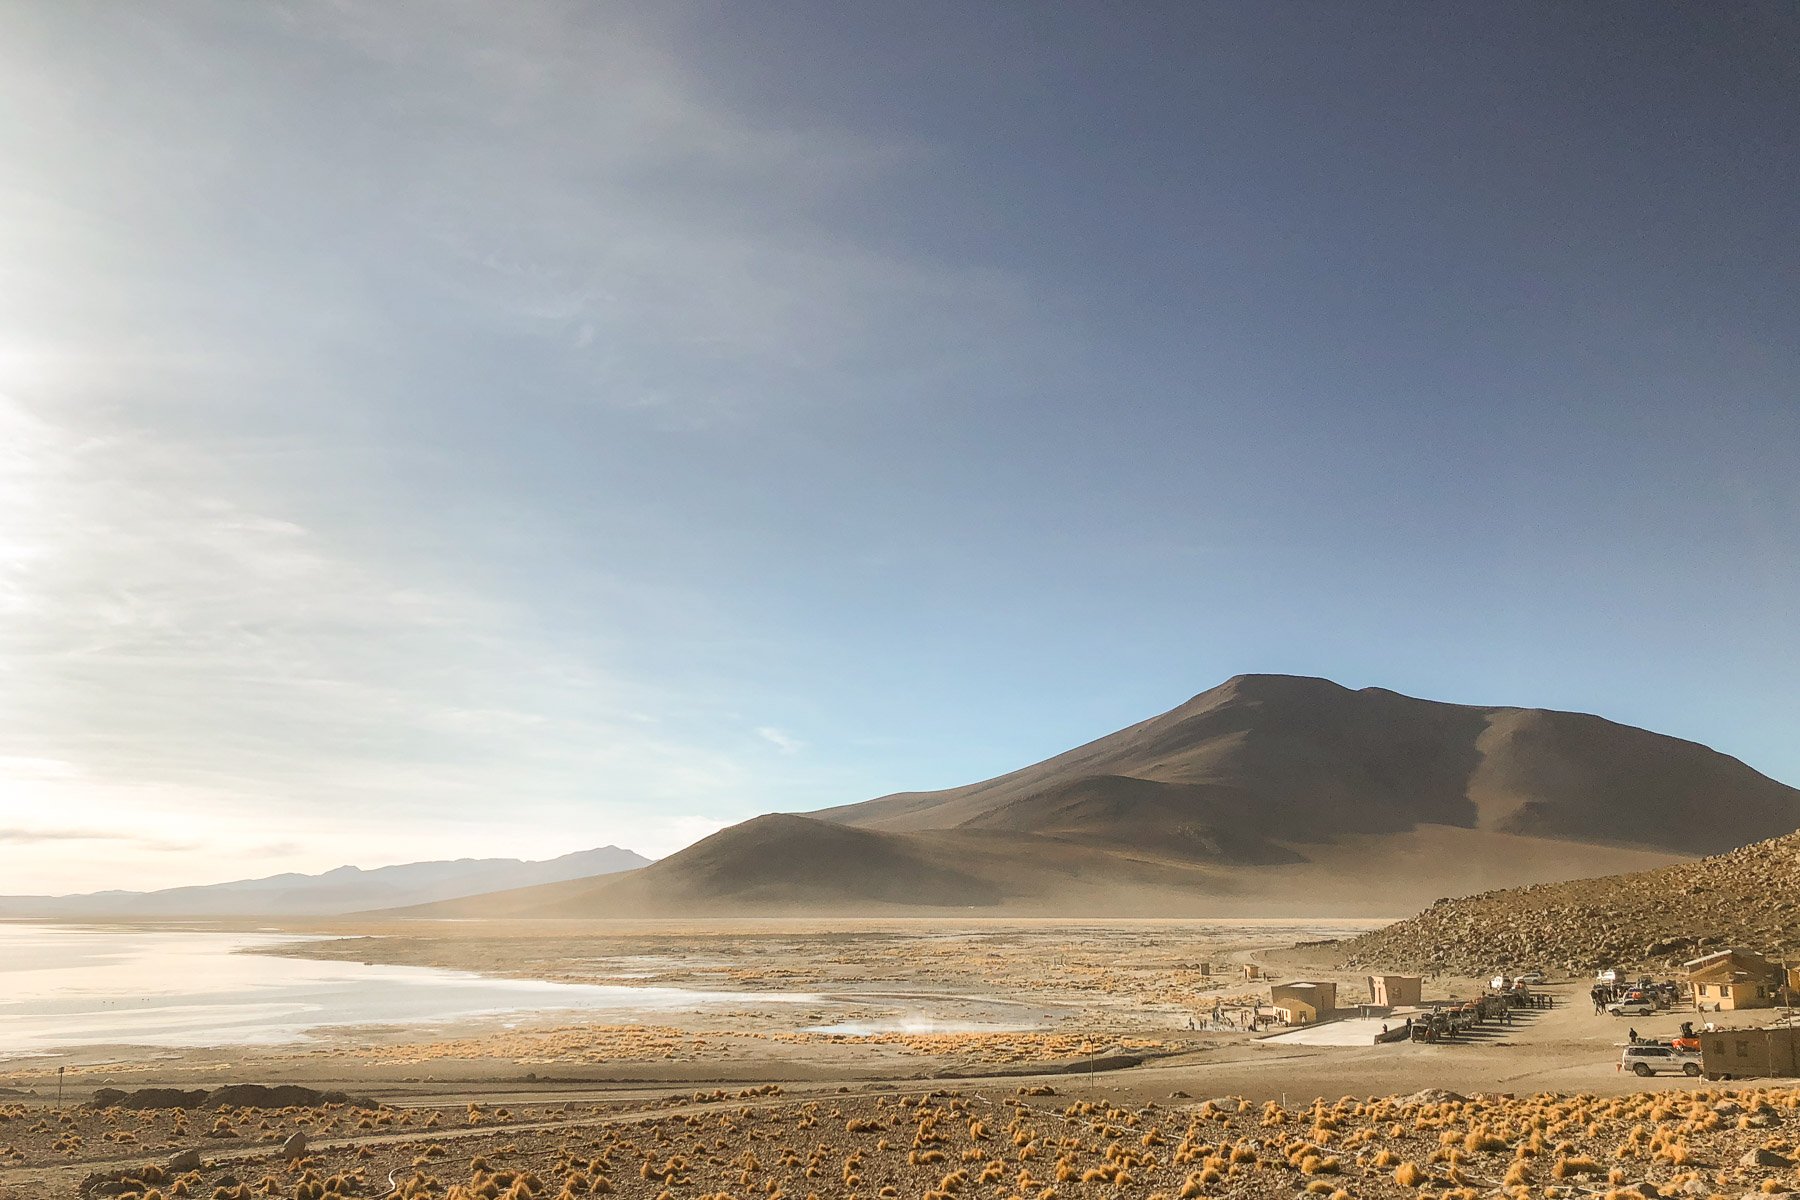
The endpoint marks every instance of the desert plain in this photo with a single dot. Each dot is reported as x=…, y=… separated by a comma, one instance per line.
x=897, y=1058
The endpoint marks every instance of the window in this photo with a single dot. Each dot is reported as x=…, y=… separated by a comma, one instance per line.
x=1743, y=1048
x=1703, y=989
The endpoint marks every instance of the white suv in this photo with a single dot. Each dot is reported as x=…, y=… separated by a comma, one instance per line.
x=1649, y=1059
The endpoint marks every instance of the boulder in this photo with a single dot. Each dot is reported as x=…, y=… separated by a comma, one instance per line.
x=287, y=1095
x=146, y=1099
x=1433, y=1096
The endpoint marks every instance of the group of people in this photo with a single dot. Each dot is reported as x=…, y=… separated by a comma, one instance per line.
x=1604, y=994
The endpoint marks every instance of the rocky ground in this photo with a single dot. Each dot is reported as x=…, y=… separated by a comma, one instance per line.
x=1025, y=1142
x=1748, y=897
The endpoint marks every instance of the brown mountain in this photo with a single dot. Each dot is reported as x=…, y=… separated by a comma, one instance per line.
x=1267, y=795
x=1745, y=897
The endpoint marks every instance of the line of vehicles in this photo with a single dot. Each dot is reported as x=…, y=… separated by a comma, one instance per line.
x=1615, y=993
x=1623, y=997
x=1503, y=983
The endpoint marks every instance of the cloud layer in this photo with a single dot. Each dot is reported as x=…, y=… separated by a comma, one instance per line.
x=247, y=609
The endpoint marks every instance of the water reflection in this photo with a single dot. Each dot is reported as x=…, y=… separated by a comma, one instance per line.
x=65, y=986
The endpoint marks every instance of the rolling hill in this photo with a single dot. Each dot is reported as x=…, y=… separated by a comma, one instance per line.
x=1268, y=795
x=1745, y=897
x=343, y=890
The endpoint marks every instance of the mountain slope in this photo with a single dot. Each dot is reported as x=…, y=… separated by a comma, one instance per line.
x=1266, y=759
x=1746, y=897
x=1268, y=795
x=785, y=864
x=774, y=863
x=342, y=890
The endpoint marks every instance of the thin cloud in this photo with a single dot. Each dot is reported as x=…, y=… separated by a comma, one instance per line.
x=28, y=836
x=784, y=742
x=238, y=605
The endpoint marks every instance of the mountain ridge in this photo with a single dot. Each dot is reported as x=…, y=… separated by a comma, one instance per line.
x=1267, y=795
x=334, y=892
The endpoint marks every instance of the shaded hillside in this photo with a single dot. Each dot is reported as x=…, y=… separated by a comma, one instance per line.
x=342, y=890
x=1268, y=795
x=776, y=863
x=784, y=861
x=798, y=865
x=1746, y=897
x=1269, y=760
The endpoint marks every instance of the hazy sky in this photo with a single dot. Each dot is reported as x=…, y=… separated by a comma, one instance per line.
x=438, y=429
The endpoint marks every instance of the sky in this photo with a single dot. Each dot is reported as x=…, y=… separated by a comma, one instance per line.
x=440, y=429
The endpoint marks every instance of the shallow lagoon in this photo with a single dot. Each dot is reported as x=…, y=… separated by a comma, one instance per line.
x=69, y=985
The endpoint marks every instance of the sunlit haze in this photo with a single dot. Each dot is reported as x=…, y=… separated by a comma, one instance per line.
x=500, y=429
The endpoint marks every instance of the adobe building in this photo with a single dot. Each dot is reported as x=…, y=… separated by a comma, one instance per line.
x=1396, y=991
x=1732, y=979
x=1303, y=1002
x=1751, y=1053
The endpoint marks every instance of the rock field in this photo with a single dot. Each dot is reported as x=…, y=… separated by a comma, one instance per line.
x=1656, y=919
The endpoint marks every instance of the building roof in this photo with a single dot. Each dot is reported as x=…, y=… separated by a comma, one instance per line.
x=1727, y=972
x=1717, y=955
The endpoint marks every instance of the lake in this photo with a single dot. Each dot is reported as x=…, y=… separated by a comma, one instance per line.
x=65, y=986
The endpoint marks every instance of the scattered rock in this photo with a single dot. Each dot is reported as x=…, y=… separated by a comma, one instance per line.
x=1433, y=1096
x=294, y=1147
x=1761, y=1157
x=187, y=1160
x=1738, y=898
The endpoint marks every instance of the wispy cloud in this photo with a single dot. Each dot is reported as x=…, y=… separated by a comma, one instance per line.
x=784, y=742
x=252, y=595
x=184, y=662
x=28, y=836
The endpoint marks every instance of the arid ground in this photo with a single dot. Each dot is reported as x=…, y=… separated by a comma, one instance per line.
x=1036, y=1059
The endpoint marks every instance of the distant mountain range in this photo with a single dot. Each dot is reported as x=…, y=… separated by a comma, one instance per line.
x=344, y=890
x=1269, y=795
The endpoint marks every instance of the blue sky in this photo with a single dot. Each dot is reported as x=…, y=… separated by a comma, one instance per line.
x=454, y=428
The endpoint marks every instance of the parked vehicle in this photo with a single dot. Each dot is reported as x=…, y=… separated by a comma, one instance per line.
x=1529, y=977
x=1609, y=976
x=1651, y=1059
x=1499, y=983
x=1631, y=1008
